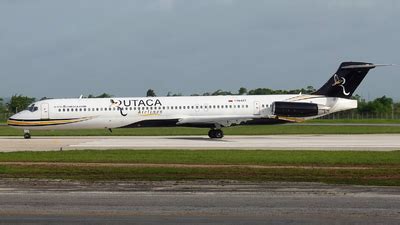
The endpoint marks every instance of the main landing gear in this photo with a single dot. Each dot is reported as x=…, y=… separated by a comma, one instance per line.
x=27, y=135
x=216, y=133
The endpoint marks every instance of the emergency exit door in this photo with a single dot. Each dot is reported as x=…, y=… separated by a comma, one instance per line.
x=257, y=108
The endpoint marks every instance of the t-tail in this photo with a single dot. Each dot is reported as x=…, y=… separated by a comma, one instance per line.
x=346, y=80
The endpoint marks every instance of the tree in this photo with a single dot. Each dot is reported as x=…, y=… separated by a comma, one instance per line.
x=242, y=91
x=2, y=106
x=19, y=103
x=151, y=93
x=104, y=95
x=221, y=92
x=169, y=94
x=382, y=105
x=310, y=90
x=261, y=91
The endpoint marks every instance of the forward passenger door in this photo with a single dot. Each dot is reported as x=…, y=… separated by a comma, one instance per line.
x=45, y=111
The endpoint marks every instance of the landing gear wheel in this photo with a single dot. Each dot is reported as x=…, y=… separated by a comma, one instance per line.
x=211, y=134
x=216, y=133
x=27, y=136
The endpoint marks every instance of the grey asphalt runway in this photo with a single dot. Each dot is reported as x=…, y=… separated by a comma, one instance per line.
x=375, y=142
x=197, y=202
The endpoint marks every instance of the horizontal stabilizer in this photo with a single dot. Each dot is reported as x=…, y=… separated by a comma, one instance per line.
x=370, y=66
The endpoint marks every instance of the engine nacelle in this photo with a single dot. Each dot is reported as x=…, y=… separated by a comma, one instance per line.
x=296, y=109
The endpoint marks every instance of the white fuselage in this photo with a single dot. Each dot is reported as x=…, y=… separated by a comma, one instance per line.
x=196, y=111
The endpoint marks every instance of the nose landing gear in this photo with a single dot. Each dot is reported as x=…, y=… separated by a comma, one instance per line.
x=216, y=134
x=27, y=135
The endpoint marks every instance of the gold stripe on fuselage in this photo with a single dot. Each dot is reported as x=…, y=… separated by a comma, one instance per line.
x=12, y=122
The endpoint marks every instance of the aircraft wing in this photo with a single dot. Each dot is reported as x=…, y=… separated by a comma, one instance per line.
x=224, y=121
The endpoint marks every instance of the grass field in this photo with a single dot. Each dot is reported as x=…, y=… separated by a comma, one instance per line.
x=240, y=130
x=363, y=168
x=221, y=157
x=356, y=121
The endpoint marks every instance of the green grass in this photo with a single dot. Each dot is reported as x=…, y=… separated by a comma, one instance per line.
x=356, y=121
x=243, y=157
x=376, y=176
x=383, y=168
x=240, y=130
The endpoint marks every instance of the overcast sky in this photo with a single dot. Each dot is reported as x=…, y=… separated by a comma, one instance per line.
x=123, y=47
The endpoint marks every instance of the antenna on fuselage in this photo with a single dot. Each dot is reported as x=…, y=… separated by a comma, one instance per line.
x=80, y=97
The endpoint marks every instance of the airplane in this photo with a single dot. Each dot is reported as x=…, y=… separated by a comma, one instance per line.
x=213, y=112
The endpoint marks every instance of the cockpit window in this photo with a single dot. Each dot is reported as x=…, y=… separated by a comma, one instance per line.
x=32, y=108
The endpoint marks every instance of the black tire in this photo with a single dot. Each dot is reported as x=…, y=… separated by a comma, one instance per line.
x=27, y=136
x=211, y=133
x=218, y=134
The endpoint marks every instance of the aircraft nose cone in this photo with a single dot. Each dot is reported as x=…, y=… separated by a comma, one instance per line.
x=11, y=120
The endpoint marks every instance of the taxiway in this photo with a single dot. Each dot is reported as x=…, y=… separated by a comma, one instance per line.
x=196, y=202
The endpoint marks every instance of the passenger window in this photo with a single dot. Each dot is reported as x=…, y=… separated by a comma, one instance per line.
x=59, y=110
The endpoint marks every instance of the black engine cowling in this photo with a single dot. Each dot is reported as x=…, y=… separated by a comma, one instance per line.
x=294, y=109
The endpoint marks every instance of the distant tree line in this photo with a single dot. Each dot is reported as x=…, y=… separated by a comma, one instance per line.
x=380, y=106
x=244, y=91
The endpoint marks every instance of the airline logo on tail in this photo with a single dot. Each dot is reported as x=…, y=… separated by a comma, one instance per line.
x=340, y=81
